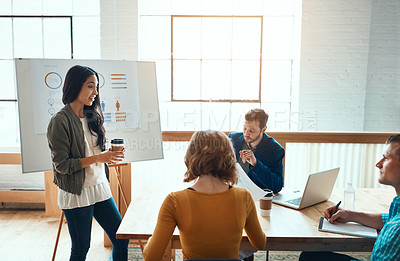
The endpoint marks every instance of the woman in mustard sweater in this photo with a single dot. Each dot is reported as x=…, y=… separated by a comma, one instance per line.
x=211, y=214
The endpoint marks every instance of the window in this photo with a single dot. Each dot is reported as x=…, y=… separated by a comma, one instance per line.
x=41, y=29
x=48, y=37
x=218, y=59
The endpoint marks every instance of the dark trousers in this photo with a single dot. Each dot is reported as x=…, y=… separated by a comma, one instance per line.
x=326, y=256
x=79, y=222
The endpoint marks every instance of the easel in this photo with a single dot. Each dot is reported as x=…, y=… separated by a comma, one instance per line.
x=120, y=192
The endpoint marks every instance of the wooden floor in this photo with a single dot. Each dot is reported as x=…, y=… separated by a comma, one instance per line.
x=29, y=235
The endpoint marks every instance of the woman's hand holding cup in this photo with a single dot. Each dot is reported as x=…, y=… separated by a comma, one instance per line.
x=111, y=156
x=115, y=154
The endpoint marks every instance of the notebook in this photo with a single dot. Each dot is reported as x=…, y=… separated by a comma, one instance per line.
x=318, y=188
x=349, y=228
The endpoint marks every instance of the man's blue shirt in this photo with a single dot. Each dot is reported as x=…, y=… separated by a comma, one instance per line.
x=387, y=245
x=267, y=173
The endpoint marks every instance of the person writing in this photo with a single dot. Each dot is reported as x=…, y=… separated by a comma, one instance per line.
x=387, y=245
x=211, y=214
x=259, y=154
x=76, y=138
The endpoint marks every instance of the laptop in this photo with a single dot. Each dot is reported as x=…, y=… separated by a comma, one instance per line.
x=318, y=188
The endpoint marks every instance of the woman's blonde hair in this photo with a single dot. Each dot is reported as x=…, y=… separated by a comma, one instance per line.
x=210, y=152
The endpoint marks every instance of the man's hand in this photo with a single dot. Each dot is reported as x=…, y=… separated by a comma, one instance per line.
x=367, y=219
x=340, y=216
x=248, y=155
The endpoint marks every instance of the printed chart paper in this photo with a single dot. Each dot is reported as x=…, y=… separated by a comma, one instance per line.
x=245, y=182
x=118, y=90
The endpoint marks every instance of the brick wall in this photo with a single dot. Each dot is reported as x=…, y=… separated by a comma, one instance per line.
x=119, y=29
x=350, y=64
x=382, y=104
x=334, y=63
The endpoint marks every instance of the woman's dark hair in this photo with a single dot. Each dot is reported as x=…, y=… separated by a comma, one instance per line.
x=74, y=80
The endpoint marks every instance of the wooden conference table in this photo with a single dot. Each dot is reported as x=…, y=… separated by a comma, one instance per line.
x=286, y=229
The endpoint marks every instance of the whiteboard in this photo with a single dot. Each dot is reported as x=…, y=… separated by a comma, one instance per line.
x=39, y=87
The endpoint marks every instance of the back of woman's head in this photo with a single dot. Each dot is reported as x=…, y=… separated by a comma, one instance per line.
x=210, y=153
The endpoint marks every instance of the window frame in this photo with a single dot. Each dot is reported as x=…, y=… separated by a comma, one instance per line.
x=14, y=102
x=42, y=17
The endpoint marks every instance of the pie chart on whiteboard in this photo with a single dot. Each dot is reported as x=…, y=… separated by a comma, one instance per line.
x=53, y=80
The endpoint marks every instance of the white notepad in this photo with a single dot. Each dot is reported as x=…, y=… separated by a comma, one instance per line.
x=349, y=228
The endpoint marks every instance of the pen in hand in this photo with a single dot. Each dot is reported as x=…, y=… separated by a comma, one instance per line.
x=335, y=210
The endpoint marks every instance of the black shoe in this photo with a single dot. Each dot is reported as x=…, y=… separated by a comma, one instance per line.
x=249, y=258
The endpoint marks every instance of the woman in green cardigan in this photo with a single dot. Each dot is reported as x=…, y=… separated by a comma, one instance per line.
x=76, y=138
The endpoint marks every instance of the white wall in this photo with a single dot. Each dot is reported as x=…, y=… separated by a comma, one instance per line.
x=119, y=29
x=383, y=89
x=349, y=65
x=334, y=62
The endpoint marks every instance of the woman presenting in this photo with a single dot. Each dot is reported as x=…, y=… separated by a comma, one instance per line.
x=76, y=138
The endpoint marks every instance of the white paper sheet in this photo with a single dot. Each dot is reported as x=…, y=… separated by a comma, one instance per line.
x=349, y=228
x=245, y=182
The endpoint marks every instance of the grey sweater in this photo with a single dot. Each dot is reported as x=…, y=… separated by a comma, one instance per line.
x=67, y=145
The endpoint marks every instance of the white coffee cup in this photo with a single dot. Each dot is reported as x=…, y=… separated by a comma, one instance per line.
x=117, y=144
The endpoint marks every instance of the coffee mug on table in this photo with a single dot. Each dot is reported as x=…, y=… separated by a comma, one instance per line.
x=266, y=204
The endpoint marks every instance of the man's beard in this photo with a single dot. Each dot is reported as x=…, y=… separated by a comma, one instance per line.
x=253, y=140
